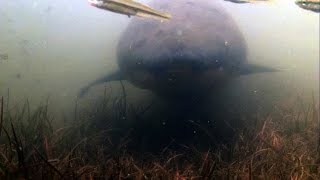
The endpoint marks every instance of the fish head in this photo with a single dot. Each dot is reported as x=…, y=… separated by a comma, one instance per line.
x=307, y=2
x=96, y=3
x=312, y=5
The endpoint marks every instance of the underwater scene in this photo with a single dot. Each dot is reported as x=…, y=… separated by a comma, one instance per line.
x=159, y=89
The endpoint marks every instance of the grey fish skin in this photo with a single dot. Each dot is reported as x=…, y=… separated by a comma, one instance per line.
x=129, y=8
x=198, y=51
x=311, y=5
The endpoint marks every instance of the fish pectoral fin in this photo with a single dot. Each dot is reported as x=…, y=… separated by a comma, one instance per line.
x=115, y=76
x=252, y=69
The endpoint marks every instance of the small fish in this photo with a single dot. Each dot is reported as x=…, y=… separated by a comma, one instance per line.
x=48, y=9
x=247, y=1
x=312, y=5
x=238, y=1
x=18, y=76
x=129, y=8
x=4, y=57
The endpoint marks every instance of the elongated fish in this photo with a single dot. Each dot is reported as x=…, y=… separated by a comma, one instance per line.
x=130, y=8
x=312, y=5
x=247, y=1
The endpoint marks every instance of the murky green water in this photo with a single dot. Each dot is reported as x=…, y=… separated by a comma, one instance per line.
x=55, y=47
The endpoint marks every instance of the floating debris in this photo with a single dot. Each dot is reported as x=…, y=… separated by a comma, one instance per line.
x=311, y=5
x=129, y=8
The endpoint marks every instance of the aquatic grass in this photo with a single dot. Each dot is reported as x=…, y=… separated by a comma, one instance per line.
x=1, y=114
x=281, y=145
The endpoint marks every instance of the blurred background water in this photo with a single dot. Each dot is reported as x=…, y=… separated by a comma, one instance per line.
x=55, y=47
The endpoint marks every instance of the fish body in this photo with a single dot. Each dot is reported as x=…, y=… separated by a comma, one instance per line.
x=187, y=58
x=4, y=57
x=247, y=1
x=238, y=1
x=129, y=8
x=311, y=5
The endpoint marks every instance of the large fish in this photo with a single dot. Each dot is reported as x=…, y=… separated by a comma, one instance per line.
x=196, y=52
